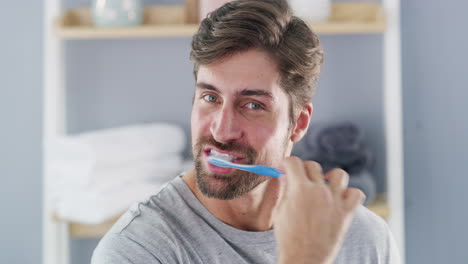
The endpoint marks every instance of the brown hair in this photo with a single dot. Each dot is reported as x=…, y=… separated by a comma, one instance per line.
x=267, y=25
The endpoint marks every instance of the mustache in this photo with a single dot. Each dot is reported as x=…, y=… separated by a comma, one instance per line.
x=246, y=151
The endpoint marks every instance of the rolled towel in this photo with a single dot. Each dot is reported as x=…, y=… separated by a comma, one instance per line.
x=310, y=138
x=353, y=164
x=307, y=148
x=301, y=150
x=117, y=145
x=366, y=183
x=339, y=145
x=342, y=140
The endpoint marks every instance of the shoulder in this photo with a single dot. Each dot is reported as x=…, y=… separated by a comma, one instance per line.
x=366, y=223
x=119, y=248
x=142, y=235
x=369, y=238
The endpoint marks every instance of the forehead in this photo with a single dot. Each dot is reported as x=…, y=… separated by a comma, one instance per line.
x=249, y=70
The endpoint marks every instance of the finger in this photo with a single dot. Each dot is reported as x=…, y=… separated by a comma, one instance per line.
x=352, y=198
x=338, y=181
x=295, y=171
x=314, y=171
x=283, y=180
x=277, y=209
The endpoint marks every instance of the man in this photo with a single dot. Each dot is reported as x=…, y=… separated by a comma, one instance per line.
x=255, y=67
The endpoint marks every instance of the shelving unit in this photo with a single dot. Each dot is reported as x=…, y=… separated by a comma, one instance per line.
x=169, y=21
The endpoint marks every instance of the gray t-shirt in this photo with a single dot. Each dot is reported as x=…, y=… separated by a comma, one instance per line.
x=172, y=226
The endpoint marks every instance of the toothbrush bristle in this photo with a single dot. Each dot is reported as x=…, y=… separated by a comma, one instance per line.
x=217, y=162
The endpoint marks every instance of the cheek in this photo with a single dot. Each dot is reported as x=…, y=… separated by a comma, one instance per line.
x=199, y=123
x=269, y=140
x=195, y=122
x=264, y=138
x=260, y=135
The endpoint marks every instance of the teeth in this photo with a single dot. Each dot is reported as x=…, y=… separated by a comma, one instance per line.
x=222, y=156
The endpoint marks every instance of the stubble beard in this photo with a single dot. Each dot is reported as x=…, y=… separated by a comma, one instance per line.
x=225, y=186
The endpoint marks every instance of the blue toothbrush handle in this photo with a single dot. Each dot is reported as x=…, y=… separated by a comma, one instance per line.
x=258, y=169
x=266, y=171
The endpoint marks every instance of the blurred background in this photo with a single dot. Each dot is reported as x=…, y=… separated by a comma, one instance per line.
x=113, y=83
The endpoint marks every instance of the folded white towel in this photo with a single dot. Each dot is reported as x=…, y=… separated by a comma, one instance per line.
x=111, y=189
x=96, y=176
x=70, y=173
x=89, y=207
x=159, y=170
x=105, y=180
x=117, y=145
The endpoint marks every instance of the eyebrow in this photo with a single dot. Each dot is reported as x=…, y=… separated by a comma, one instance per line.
x=263, y=93
x=202, y=85
x=245, y=92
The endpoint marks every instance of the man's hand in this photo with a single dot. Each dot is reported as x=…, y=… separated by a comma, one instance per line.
x=312, y=217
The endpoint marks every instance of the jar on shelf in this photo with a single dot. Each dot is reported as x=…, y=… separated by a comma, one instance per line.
x=116, y=13
x=311, y=10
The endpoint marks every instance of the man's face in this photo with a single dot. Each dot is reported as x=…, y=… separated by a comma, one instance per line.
x=240, y=110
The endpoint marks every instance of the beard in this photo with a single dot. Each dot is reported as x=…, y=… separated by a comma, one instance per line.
x=225, y=186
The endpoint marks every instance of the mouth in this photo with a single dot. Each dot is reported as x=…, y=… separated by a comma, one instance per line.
x=231, y=157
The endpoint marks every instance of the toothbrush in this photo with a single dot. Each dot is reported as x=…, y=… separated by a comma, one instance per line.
x=258, y=169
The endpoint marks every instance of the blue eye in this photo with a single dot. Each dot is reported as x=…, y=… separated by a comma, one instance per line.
x=254, y=106
x=210, y=98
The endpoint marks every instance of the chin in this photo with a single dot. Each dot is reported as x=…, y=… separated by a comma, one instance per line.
x=227, y=186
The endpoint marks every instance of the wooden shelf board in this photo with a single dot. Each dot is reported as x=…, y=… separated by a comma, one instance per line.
x=170, y=21
x=78, y=230
x=380, y=206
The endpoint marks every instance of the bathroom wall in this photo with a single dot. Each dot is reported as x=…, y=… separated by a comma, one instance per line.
x=435, y=78
x=21, y=132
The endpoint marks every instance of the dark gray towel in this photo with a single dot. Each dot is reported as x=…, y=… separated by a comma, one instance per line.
x=338, y=145
x=341, y=142
x=366, y=183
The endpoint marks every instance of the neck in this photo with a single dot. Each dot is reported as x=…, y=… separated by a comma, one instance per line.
x=250, y=212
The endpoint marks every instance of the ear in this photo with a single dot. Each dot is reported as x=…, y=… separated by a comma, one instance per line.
x=302, y=123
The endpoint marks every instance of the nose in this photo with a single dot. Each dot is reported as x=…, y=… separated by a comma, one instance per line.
x=226, y=126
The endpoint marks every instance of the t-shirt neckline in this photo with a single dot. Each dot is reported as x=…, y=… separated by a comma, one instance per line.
x=225, y=230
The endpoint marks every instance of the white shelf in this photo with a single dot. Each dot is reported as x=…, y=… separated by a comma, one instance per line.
x=170, y=21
